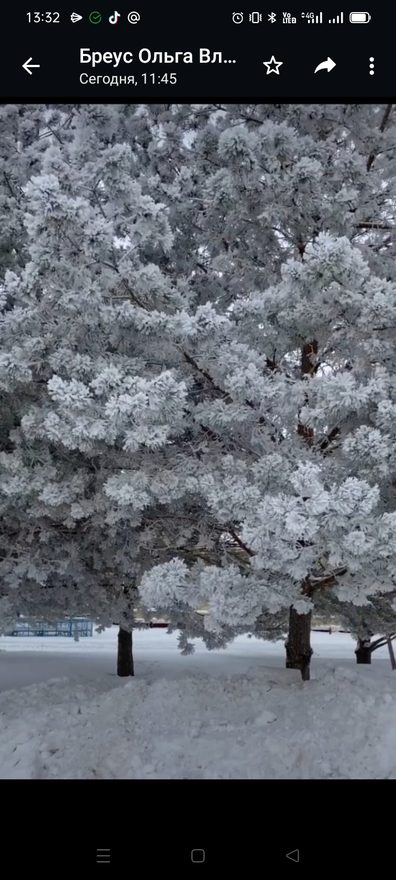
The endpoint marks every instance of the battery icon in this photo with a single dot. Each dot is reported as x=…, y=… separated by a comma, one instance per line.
x=359, y=17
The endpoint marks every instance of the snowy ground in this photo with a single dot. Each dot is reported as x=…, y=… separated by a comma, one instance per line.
x=225, y=714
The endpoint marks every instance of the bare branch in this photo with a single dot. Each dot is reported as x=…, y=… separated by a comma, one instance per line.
x=313, y=583
x=331, y=436
x=372, y=157
x=382, y=641
x=371, y=224
x=190, y=360
x=239, y=541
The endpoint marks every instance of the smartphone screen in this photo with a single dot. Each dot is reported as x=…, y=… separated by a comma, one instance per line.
x=197, y=436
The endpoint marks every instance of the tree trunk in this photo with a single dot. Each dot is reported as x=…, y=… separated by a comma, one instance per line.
x=124, y=653
x=298, y=644
x=391, y=652
x=363, y=651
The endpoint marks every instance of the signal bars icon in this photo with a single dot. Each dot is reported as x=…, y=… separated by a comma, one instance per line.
x=339, y=19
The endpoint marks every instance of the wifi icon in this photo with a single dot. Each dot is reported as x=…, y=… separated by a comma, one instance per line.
x=75, y=17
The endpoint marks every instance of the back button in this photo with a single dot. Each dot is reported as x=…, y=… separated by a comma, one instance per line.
x=294, y=855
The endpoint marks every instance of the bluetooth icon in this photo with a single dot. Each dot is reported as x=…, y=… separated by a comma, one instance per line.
x=272, y=17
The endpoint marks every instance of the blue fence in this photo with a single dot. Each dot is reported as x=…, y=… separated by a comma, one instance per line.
x=65, y=628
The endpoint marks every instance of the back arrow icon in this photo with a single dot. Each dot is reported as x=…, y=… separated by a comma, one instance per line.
x=294, y=855
x=328, y=65
x=27, y=65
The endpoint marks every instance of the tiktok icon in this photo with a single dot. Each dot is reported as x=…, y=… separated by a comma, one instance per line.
x=114, y=18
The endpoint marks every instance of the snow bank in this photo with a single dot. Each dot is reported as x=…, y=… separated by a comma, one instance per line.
x=261, y=723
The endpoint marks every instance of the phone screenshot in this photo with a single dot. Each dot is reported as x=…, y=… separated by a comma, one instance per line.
x=197, y=438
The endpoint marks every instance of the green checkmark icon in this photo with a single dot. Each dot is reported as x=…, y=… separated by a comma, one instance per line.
x=95, y=17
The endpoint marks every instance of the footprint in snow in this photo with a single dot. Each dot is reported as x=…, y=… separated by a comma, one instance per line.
x=265, y=717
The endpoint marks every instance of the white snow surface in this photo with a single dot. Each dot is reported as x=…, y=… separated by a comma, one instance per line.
x=231, y=714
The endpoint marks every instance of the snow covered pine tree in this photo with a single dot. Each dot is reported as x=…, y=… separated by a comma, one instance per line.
x=72, y=373
x=297, y=371
x=198, y=353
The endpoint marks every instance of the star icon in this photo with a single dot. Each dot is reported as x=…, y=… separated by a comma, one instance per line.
x=272, y=65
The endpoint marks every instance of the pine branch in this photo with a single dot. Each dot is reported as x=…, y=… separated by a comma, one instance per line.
x=312, y=583
x=373, y=225
x=9, y=187
x=331, y=436
x=190, y=360
x=239, y=541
